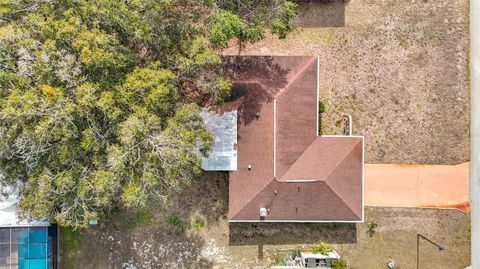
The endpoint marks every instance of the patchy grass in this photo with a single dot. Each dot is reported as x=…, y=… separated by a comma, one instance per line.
x=220, y=205
x=70, y=238
x=160, y=238
x=140, y=219
x=70, y=242
x=174, y=222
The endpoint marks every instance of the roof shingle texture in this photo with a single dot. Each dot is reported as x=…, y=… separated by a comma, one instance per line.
x=295, y=174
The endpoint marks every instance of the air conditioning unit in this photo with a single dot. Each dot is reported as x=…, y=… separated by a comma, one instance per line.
x=263, y=212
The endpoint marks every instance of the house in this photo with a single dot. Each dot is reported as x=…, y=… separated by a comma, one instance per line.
x=284, y=170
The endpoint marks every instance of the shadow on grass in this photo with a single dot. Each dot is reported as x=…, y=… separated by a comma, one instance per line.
x=291, y=233
x=321, y=13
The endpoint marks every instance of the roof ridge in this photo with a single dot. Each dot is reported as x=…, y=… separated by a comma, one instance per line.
x=284, y=182
x=336, y=167
x=276, y=96
x=293, y=164
x=341, y=199
x=329, y=174
x=274, y=179
x=256, y=195
x=279, y=93
x=341, y=160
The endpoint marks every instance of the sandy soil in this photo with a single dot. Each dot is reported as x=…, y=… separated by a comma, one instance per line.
x=398, y=67
x=218, y=244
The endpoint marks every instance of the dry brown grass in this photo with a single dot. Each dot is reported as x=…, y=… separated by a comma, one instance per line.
x=398, y=67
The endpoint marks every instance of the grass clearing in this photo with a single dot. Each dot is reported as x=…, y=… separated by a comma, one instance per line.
x=140, y=219
x=70, y=243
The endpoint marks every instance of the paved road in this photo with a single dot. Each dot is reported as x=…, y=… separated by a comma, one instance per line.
x=440, y=186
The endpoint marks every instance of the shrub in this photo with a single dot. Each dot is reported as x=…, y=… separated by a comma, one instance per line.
x=321, y=107
x=372, y=225
x=321, y=248
x=280, y=260
x=175, y=222
x=198, y=223
x=223, y=90
x=339, y=264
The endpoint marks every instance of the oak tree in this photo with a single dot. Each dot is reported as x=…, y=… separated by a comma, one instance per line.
x=100, y=99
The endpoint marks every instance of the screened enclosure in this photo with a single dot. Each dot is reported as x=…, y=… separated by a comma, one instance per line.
x=224, y=128
x=28, y=247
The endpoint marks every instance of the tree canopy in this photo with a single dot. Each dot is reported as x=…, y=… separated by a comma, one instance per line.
x=100, y=99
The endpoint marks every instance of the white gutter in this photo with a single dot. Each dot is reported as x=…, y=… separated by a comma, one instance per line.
x=475, y=129
x=274, y=138
x=317, y=131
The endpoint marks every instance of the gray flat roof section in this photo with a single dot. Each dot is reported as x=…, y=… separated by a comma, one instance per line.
x=223, y=156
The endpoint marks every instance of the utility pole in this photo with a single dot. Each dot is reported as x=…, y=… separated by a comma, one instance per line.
x=475, y=130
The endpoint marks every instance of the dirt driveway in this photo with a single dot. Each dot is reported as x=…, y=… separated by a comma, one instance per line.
x=398, y=67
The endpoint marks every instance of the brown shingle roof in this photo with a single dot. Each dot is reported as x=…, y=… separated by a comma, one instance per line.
x=277, y=136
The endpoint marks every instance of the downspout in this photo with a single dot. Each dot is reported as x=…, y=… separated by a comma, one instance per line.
x=475, y=130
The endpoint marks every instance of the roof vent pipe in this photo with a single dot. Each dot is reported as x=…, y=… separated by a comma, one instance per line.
x=249, y=167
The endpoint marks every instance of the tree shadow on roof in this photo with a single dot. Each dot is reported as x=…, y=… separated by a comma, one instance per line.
x=250, y=97
x=320, y=13
x=291, y=233
x=256, y=81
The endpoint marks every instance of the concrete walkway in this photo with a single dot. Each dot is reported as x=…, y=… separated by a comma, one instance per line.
x=439, y=186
